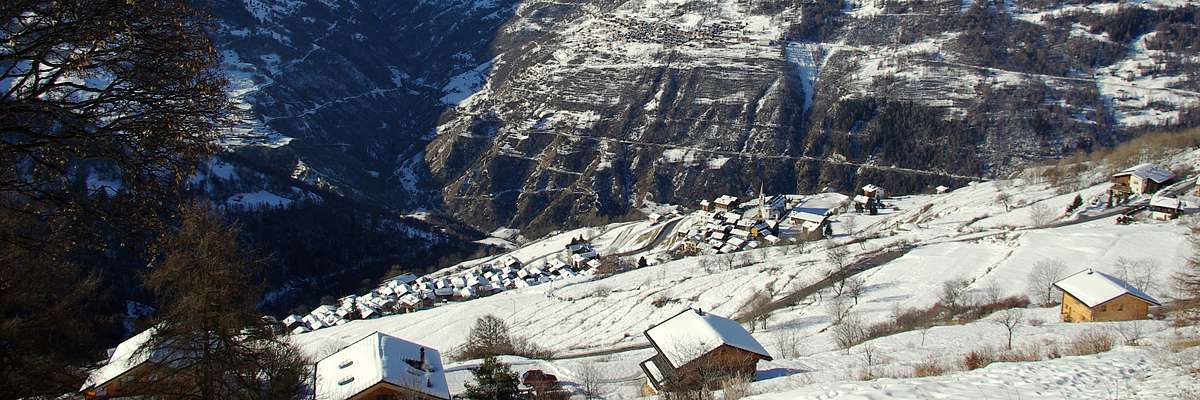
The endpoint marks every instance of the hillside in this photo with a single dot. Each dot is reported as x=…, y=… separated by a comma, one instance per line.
x=538, y=114
x=964, y=236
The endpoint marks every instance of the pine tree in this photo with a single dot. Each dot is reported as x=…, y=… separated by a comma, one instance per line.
x=1075, y=204
x=642, y=262
x=494, y=380
x=1187, y=282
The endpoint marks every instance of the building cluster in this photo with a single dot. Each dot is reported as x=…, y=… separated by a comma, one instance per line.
x=637, y=30
x=407, y=292
x=1147, y=179
x=725, y=230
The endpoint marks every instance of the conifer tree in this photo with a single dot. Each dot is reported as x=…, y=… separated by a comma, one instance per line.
x=494, y=380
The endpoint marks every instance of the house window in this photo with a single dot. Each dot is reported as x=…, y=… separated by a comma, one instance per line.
x=1120, y=307
x=346, y=363
x=1103, y=308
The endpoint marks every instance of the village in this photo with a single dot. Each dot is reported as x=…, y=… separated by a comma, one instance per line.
x=695, y=346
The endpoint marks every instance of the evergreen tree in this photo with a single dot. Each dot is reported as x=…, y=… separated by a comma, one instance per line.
x=1075, y=204
x=642, y=262
x=494, y=380
x=1187, y=282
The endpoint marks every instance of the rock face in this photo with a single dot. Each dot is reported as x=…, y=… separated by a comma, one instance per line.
x=537, y=114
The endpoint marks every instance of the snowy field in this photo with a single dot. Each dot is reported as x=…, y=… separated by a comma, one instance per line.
x=964, y=235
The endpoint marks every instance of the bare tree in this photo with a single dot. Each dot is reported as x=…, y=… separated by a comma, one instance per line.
x=589, y=379
x=855, y=287
x=871, y=358
x=1003, y=198
x=850, y=224
x=953, y=295
x=849, y=332
x=838, y=308
x=1040, y=214
x=1131, y=331
x=1011, y=319
x=1042, y=278
x=757, y=310
x=837, y=256
x=1139, y=273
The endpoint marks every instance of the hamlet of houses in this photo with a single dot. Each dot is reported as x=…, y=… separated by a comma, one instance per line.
x=408, y=292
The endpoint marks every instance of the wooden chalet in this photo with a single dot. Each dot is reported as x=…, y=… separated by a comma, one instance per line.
x=872, y=191
x=1165, y=208
x=1141, y=179
x=129, y=370
x=380, y=366
x=694, y=348
x=941, y=189
x=724, y=202
x=811, y=224
x=1095, y=296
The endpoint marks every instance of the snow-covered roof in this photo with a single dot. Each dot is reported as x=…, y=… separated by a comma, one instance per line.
x=1149, y=171
x=725, y=200
x=1094, y=288
x=693, y=333
x=380, y=358
x=809, y=217
x=1166, y=202
x=404, y=278
x=941, y=188
x=870, y=188
x=126, y=356
x=860, y=199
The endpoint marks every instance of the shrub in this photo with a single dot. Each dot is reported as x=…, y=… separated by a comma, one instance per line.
x=1091, y=342
x=929, y=367
x=979, y=358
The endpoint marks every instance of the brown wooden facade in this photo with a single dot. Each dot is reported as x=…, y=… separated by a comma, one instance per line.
x=388, y=391
x=710, y=369
x=1126, y=307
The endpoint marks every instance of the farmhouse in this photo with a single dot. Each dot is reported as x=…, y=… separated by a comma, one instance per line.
x=696, y=348
x=1165, y=208
x=725, y=202
x=1141, y=179
x=811, y=224
x=941, y=189
x=380, y=366
x=1095, y=296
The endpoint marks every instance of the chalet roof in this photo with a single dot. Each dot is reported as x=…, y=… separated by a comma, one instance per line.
x=941, y=188
x=861, y=199
x=693, y=333
x=1148, y=171
x=1166, y=202
x=126, y=356
x=380, y=358
x=807, y=216
x=404, y=278
x=870, y=188
x=1095, y=287
x=725, y=200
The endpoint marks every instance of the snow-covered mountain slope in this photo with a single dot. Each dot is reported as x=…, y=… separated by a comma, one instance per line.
x=966, y=236
x=535, y=114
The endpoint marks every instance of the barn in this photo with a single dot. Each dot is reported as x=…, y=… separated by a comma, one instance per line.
x=1095, y=296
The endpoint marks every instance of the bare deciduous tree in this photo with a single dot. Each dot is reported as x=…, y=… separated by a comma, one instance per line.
x=1042, y=278
x=1003, y=198
x=1040, y=214
x=855, y=287
x=589, y=379
x=1011, y=319
x=849, y=332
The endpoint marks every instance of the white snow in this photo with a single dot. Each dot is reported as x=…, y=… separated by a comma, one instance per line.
x=380, y=358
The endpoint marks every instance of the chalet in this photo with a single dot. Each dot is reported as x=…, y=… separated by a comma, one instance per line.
x=810, y=224
x=705, y=205
x=725, y=202
x=941, y=189
x=1165, y=208
x=403, y=279
x=1141, y=179
x=694, y=348
x=380, y=366
x=1198, y=185
x=125, y=372
x=655, y=218
x=1095, y=296
x=293, y=321
x=872, y=191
